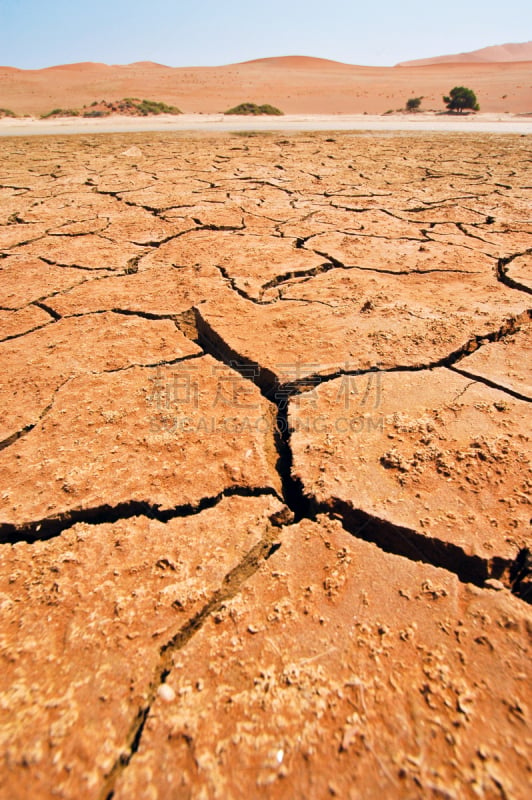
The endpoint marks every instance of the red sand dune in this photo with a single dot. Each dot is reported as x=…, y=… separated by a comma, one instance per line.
x=521, y=51
x=82, y=66
x=296, y=84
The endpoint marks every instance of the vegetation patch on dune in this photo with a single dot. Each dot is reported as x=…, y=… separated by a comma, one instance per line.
x=6, y=112
x=61, y=112
x=129, y=106
x=145, y=107
x=252, y=109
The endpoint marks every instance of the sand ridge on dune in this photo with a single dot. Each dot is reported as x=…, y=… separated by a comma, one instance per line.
x=502, y=52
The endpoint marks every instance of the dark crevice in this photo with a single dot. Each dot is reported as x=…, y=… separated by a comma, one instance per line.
x=16, y=219
x=30, y=426
x=24, y=242
x=155, y=244
x=508, y=328
x=347, y=195
x=49, y=527
x=54, y=314
x=67, y=289
x=521, y=575
x=19, y=434
x=339, y=265
x=311, y=272
x=267, y=382
x=284, y=299
x=212, y=227
x=231, y=586
x=80, y=235
x=479, y=226
x=213, y=344
x=234, y=286
x=293, y=491
x=301, y=241
x=428, y=205
x=154, y=211
x=199, y=226
x=492, y=384
x=77, y=266
x=129, y=312
x=95, y=313
x=362, y=234
x=502, y=272
x=164, y=363
x=261, y=182
x=25, y=333
x=411, y=544
x=22, y=189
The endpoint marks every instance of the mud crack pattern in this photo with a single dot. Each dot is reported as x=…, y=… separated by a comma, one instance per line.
x=265, y=466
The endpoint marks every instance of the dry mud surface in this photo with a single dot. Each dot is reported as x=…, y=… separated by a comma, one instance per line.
x=265, y=466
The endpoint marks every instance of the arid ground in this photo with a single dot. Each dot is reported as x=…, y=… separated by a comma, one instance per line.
x=265, y=466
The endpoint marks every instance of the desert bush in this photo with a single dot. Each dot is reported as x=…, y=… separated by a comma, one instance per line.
x=6, y=112
x=413, y=103
x=252, y=109
x=461, y=97
x=130, y=105
x=146, y=107
x=61, y=112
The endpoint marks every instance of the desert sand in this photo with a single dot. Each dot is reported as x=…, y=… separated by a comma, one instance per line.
x=221, y=123
x=521, y=51
x=265, y=466
x=295, y=84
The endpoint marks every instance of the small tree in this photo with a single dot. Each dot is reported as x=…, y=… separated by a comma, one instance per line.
x=413, y=103
x=459, y=98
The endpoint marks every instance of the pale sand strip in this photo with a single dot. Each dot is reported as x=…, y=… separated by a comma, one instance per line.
x=218, y=123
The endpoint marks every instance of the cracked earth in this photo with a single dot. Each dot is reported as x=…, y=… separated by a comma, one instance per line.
x=265, y=466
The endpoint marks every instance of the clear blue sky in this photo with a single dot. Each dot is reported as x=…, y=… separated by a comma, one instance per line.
x=40, y=33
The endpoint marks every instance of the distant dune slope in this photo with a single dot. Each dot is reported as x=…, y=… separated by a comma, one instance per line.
x=521, y=51
x=295, y=84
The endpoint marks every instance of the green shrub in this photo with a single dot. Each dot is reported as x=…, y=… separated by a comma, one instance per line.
x=6, y=112
x=61, y=112
x=459, y=98
x=130, y=105
x=413, y=103
x=146, y=107
x=252, y=109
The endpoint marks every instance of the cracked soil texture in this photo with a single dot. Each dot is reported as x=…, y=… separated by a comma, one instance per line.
x=265, y=466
